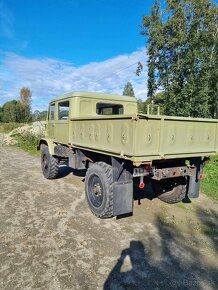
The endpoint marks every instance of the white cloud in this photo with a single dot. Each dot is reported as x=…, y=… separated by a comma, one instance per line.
x=47, y=78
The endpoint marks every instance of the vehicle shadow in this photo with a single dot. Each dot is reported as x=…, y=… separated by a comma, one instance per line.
x=64, y=171
x=165, y=259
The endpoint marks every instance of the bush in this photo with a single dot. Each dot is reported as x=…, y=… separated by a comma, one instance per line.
x=27, y=141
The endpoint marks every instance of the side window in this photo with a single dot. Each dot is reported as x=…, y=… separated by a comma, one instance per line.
x=109, y=109
x=63, y=110
x=51, y=112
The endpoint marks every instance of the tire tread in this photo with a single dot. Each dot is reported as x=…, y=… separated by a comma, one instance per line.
x=107, y=170
x=53, y=165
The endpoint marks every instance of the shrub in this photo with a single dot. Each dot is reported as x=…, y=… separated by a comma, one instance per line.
x=27, y=141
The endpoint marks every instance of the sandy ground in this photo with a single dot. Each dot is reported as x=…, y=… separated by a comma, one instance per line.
x=50, y=240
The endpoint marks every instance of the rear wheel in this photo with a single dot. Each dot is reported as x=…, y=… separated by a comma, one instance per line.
x=99, y=189
x=49, y=164
x=170, y=190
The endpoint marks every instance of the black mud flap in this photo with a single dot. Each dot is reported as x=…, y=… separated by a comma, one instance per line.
x=122, y=187
x=194, y=187
x=194, y=181
x=122, y=198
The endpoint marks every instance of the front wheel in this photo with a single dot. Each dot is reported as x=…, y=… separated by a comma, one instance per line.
x=49, y=164
x=99, y=189
x=171, y=190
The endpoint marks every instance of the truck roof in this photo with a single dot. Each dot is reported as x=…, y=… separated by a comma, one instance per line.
x=96, y=96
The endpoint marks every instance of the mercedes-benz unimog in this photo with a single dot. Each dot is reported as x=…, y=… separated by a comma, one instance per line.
x=105, y=135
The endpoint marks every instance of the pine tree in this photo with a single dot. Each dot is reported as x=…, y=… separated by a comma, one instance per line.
x=128, y=90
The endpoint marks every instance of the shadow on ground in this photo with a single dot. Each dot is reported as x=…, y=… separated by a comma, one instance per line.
x=166, y=259
x=209, y=224
x=65, y=171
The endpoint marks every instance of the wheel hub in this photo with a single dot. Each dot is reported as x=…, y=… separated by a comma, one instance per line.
x=95, y=191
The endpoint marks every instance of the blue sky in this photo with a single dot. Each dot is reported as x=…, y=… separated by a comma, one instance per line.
x=55, y=46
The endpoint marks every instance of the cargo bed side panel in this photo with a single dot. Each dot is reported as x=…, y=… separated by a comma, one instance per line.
x=108, y=136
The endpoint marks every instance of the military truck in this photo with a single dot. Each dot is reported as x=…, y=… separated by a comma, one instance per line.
x=105, y=135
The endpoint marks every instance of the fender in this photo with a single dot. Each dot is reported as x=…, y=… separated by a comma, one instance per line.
x=48, y=142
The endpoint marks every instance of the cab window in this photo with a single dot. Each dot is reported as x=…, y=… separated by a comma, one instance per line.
x=51, y=112
x=109, y=109
x=63, y=110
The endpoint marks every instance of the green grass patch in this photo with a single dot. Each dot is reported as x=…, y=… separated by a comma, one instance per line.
x=8, y=127
x=209, y=185
x=165, y=219
x=185, y=206
x=28, y=142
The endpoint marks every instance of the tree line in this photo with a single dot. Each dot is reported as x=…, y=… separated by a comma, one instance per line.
x=19, y=111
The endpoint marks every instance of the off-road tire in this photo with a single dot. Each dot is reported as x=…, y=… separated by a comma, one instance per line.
x=99, y=189
x=49, y=164
x=171, y=190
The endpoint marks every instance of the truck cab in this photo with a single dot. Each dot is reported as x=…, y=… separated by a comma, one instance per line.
x=82, y=105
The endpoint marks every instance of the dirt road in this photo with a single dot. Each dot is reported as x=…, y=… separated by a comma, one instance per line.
x=50, y=240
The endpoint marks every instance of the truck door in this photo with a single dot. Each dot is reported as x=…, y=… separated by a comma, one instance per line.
x=62, y=128
x=51, y=121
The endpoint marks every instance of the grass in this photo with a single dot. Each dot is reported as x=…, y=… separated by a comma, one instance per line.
x=28, y=142
x=209, y=185
x=8, y=127
x=165, y=219
x=185, y=206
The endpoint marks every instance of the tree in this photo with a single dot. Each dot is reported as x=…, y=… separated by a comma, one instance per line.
x=159, y=100
x=1, y=114
x=14, y=111
x=128, y=90
x=182, y=45
x=141, y=106
x=25, y=96
x=25, y=99
x=153, y=30
x=43, y=115
x=9, y=112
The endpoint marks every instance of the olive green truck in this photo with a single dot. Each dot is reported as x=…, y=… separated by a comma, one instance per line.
x=117, y=146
